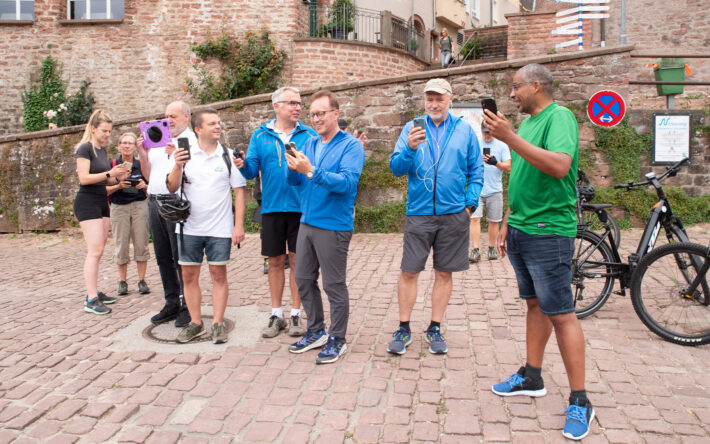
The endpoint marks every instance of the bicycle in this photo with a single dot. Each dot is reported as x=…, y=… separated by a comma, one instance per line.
x=597, y=262
x=670, y=297
x=586, y=211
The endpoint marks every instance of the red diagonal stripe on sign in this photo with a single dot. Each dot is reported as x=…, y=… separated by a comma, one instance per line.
x=606, y=108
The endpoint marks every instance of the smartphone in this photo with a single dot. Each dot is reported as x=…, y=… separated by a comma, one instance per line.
x=420, y=122
x=291, y=149
x=490, y=104
x=486, y=151
x=184, y=144
x=236, y=153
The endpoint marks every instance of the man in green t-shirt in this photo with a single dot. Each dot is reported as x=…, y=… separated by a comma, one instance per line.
x=538, y=234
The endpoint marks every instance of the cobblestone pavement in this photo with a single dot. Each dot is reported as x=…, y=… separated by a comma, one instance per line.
x=63, y=380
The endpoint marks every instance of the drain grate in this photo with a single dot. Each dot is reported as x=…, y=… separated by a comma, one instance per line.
x=167, y=332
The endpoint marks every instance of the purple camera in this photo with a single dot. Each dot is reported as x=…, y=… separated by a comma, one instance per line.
x=156, y=133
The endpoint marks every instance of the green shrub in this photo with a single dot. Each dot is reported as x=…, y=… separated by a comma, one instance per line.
x=624, y=149
x=45, y=104
x=472, y=49
x=246, y=69
x=385, y=218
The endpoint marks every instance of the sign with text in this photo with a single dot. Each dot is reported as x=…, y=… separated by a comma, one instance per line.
x=671, y=138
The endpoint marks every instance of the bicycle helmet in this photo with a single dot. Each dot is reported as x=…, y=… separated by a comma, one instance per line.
x=172, y=208
x=586, y=192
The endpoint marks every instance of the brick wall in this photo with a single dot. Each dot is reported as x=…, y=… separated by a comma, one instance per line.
x=529, y=34
x=135, y=66
x=325, y=62
x=37, y=171
x=494, y=40
x=670, y=27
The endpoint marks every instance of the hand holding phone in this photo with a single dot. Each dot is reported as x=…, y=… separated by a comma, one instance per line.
x=490, y=104
x=291, y=149
x=417, y=133
x=486, y=151
x=184, y=144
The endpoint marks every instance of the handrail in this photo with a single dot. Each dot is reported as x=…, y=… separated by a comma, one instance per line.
x=670, y=56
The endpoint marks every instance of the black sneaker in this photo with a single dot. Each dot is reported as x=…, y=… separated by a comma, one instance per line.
x=518, y=384
x=107, y=300
x=168, y=313
x=122, y=288
x=183, y=318
x=143, y=287
x=96, y=306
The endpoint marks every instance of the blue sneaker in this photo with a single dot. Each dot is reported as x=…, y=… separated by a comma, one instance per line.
x=518, y=384
x=332, y=350
x=402, y=338
x=309, y=341
x=578, y=420
x=437, y=345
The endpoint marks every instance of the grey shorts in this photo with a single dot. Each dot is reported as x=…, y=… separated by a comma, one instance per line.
x=493, y=205
x=446, y=233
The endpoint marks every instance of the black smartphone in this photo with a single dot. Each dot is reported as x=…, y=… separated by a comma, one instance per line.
x=238, y=154
x=489, y=103
x=420, y=122
x=291, y=149
x=184, y=144
x=486, y=151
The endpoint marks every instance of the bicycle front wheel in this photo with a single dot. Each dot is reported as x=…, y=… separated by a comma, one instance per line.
x=659, y=293
x=592, y=278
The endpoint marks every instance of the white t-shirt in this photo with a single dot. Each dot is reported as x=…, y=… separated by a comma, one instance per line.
x=208, y=190
x=161, y=164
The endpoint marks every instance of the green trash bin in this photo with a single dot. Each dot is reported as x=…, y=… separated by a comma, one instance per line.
x=670, y=70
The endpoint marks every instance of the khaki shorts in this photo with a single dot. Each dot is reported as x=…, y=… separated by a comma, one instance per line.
x=493, y=205
x=130, y=221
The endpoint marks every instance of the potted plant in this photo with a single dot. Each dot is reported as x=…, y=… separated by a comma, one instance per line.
x=341, y=19
x=413, y=44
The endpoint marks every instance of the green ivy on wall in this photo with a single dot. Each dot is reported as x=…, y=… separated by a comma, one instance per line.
x=624, y=149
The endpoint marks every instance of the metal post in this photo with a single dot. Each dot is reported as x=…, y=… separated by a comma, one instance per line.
x=580, y=27
x=622, y=37
x=670, y=101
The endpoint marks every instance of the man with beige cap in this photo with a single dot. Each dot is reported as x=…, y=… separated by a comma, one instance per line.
x=441, y=156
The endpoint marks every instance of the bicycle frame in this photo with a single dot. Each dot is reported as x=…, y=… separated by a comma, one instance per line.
x=690, y=291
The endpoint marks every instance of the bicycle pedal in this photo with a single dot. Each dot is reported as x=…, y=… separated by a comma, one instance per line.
x=620, y=292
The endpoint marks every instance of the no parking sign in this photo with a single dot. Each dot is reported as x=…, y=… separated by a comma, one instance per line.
x=606, y=108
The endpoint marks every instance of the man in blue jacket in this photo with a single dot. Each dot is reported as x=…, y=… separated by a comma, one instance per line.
x=325, y=172
x=445, y=174
x=280, y=204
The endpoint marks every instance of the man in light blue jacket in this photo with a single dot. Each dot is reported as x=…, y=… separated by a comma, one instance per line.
x=325, y=173
x=441, y=156
x=280, y=204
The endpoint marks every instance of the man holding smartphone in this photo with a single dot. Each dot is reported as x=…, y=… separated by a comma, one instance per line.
x=280, y=202
x=538, y=235
x=326, y=173
x=496, y=157
x=211, y=229
x=441, y=156
x=156, y=163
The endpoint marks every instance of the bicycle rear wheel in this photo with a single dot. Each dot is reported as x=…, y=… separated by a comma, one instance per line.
x=592, y=279
x=659, y=293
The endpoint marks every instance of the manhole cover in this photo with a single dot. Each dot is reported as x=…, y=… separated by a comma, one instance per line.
x=167, y=332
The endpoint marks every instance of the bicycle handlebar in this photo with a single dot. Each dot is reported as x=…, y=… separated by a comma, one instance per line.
x=670, y=171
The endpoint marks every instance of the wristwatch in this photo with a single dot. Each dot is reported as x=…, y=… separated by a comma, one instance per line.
x=309, y=174
x=471, y=208
x=108, y=175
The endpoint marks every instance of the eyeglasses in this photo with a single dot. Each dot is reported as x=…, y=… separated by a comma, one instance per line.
x=127, y=143
x=516, y=86
x=319, y=114
x=293, y=103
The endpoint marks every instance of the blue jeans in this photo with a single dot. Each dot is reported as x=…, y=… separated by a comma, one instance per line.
x=445, y=59
x=542, y=265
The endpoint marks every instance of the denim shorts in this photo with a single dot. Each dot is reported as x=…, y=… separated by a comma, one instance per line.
x=217, y=250
x=542, y=265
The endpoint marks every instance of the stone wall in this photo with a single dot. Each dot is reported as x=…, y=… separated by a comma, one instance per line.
x=38, y=182
x=529, y=34
x=327, y=61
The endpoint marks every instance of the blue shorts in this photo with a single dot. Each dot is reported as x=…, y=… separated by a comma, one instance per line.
x=217, y=250
x=542, y=265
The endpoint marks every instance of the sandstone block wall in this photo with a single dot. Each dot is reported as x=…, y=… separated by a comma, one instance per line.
x=37, y=171
x=325, y=62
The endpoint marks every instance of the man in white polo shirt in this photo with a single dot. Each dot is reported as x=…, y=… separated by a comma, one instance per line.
x=211, y=229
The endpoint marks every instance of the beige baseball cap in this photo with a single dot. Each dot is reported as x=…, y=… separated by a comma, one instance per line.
x=439, y=86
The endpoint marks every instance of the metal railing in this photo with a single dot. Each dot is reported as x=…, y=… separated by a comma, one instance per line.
x=363, y=25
